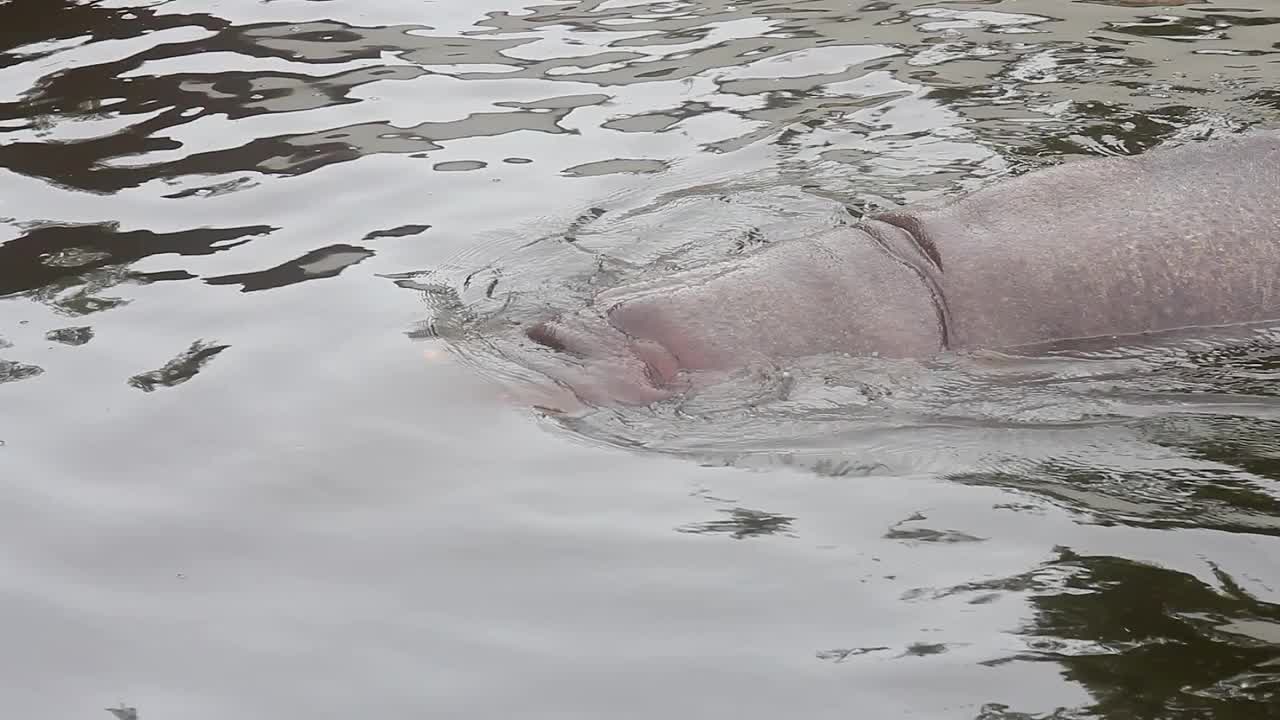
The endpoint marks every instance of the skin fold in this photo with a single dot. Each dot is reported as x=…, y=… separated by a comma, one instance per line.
x=1174, y=238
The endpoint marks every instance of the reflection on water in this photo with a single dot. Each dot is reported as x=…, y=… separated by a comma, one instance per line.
x=742, y=523
x=325, y=262
x=240, y=208
x=66, y=266
x=1109, y=622
x=180, y=369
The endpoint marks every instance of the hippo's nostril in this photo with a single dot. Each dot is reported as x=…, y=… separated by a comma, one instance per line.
x=582, y=335
x=545, y=334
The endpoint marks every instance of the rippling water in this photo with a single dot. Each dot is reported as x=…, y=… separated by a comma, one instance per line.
x=269, y=450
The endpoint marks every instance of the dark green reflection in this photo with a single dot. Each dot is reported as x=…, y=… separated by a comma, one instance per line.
x=1157, y=644
x=742, y=523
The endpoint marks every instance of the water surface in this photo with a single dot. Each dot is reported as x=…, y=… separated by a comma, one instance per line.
x=268, y=451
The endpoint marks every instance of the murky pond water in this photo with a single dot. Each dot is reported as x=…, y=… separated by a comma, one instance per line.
x=268, y=451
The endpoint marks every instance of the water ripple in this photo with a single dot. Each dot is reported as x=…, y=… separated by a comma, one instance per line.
x=222, y=455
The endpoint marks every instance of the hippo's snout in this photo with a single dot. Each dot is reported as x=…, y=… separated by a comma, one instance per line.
x=607, y=364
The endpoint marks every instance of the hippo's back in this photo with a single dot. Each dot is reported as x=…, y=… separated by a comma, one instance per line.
x=1178, y=237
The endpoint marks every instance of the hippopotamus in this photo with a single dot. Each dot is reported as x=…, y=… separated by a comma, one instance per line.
x=1173, y=238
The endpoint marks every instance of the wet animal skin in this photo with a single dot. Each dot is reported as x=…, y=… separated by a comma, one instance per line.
x=1174, y=238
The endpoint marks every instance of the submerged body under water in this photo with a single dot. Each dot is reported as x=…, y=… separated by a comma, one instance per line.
x=273, y=444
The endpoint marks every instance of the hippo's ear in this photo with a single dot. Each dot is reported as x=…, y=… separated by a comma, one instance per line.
x=919, y=234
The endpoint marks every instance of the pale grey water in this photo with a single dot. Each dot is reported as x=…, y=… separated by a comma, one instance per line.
x=250, y=473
